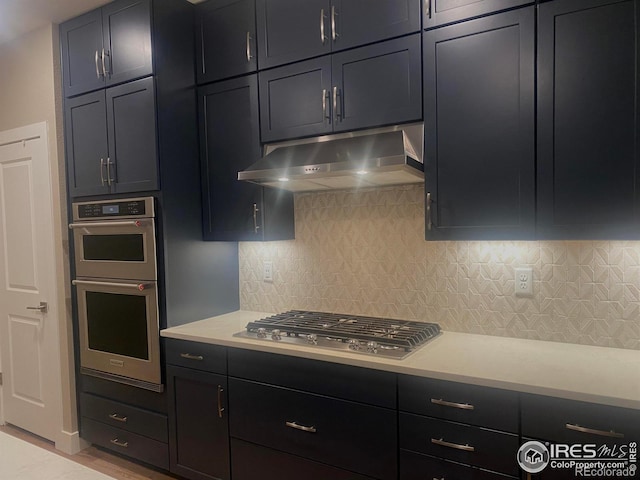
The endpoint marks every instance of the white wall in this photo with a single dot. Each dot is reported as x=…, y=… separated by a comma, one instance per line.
x=30, y=86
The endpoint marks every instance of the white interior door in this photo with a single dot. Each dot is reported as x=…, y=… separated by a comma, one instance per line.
x=29, y=338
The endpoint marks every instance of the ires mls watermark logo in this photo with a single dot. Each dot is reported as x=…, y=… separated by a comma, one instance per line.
x=584, y=460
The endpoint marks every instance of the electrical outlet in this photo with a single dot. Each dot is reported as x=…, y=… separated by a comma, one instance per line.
x=267, y=271
x=524, y=282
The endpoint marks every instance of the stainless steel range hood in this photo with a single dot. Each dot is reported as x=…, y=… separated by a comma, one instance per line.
x=370, y=158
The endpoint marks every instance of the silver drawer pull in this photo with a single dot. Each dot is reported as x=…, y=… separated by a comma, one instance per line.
x=117, y=442
x=444, y=403
x=602, y=433
x=457, y=446
x=301, y=427
x=189, y=356
x=118, y=418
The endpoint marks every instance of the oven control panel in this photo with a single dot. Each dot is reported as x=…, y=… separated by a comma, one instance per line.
x=123, y=208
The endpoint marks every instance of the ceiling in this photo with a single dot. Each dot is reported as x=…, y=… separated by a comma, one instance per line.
x=18, y=17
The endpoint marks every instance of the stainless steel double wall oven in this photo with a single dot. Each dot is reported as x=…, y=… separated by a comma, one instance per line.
x=117, y=291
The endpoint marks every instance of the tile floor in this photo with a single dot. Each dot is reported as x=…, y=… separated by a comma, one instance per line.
x=24, y=456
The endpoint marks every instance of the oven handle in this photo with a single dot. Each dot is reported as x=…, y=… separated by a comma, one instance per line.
x=124, y=223
x=137, y=286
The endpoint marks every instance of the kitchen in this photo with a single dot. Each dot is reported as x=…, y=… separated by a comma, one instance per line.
x=363, y=252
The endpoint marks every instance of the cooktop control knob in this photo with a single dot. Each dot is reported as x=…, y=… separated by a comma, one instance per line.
x=276, y=335
x=354, y=345
x=372, y=347
x=262, y=333
x=312, y=339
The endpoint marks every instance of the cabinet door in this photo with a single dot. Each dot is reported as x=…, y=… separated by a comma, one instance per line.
x=226, y=39
x=133, y=164
x=377, y=85
x=291, y=30
x=295, y=100
x=81, y=43
x=358, y=22
x=440, y=12
x=479, y=128
x=127, y=40
x=198, y=424
x=588, y=119
x=86, y=144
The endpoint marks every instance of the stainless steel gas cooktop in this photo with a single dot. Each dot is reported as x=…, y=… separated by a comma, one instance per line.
x=374, y=336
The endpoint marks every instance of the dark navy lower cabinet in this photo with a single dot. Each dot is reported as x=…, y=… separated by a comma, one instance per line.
x=479, y=128
x=588, y=113
x=441, y=12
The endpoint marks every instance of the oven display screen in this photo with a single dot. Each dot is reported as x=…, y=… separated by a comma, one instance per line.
x=111, y=209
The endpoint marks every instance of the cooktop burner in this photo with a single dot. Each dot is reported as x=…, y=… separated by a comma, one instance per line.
x=375, y=336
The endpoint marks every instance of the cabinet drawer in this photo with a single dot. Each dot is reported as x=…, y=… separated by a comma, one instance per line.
x=342, y=381
x=414, y=466
x=569, y=421
x=126, y=417
x=462, y=443
x=251, y=461
x=459, y=402
x=127, y=443
x=201, y=356
x=348, y=435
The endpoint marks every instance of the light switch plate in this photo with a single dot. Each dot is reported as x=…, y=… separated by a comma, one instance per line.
x=524, y=282
x=267, y=271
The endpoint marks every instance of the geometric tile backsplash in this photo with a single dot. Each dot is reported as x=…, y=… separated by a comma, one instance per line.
x=363, y=252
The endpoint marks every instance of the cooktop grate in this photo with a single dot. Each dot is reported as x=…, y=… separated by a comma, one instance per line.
x=372, y=335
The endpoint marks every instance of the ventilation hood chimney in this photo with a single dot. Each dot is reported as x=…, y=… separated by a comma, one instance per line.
x=370, y=158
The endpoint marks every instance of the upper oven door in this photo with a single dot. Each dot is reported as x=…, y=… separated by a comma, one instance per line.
x=120, y=249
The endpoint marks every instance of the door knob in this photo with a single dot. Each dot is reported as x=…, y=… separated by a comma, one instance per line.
x=43, y=307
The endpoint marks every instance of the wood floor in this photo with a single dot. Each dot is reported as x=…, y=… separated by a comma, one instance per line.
x=94, y=458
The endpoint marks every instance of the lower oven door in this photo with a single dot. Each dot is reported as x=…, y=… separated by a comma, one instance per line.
x=119, y=333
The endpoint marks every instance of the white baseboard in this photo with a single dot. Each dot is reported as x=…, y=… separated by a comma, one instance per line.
x=71, y=443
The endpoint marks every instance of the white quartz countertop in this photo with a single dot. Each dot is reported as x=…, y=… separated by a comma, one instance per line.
x=609, y=376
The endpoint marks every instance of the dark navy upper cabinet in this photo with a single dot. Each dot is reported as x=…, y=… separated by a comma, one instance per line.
x=226, y=39
x=292, y=30
x=230, y=142
x=296, y=100
x=370, y=86
x=107, y=46
x=588, y=150
x=111, y=140
x=377, y=85
x=86, y=144
x=441, y=12
x=479, y=128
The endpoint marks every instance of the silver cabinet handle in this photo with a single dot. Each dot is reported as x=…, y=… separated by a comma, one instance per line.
x=601, y=433
x=138, y=286
x=101, y=171
x=109, y=179
x=322, y=17
x=220, y=408
x=300, y=427
x=427, y=8
x=117, y=442
x=104, y=64
x=326, y=118
x=43, y=307
x=98, y=74
x=249, y=56
x=121, y=223
x=118, y=418
x=444, y=403
x=189, y=356
x=334, y=32
x=429, y=224
x=457, y=446
x=336, y=94
x=256, y=227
